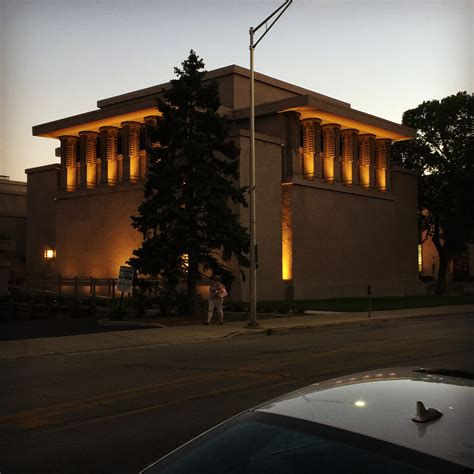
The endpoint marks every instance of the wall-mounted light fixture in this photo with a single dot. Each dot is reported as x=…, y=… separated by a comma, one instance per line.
x=49, y=254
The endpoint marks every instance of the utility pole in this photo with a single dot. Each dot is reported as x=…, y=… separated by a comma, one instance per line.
x=252, y=211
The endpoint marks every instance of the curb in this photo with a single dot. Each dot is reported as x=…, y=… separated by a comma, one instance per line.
x=131, y=324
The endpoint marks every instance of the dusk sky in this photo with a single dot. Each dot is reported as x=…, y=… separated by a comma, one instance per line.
x=58, y=57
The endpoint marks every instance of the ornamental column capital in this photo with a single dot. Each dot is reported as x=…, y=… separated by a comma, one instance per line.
x=109, y=128
x=151, y=119
x=349, y=131
x=68, y=139
x=366, y=135
x=331, y=125
x=310, y=120
x=88, y=133
x=131, y=124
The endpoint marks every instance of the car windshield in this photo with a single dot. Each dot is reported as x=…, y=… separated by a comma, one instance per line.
x=260, y=443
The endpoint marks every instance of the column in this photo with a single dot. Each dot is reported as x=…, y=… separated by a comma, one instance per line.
x=331, y=152
x=292, y=162
x=349, y=156
x=88, y=159
x=131, y=151
x=312, y=160
x=109, y=149
x=366, y=160
x=382, y=163
x=150, y=123
x=69, y=162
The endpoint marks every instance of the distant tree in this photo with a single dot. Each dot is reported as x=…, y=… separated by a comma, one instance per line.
x=443, y=153
x=189, y=217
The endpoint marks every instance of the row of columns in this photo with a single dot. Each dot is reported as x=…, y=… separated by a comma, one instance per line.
x=83, y=167
x=332, y=154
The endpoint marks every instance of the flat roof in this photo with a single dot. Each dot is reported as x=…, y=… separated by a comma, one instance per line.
x=309, y=106
x=135, y=105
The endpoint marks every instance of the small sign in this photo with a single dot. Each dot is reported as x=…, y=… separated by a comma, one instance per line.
x=125, y=279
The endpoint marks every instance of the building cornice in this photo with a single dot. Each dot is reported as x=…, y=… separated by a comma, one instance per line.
x=39, y=169
x=309, y=106
x=134, y=106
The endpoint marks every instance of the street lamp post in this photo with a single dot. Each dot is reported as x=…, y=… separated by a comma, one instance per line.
x=252, y=214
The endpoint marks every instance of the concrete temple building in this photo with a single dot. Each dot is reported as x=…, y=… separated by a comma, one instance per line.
x=332, y=214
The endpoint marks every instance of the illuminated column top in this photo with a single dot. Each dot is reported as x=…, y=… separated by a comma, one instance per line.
x=69, y=160
x=292, y=162
x=331, y=165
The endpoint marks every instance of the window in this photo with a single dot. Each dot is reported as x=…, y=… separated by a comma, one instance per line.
x=262, y=443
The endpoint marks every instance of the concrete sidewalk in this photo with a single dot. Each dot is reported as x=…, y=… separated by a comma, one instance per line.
x=51, y=346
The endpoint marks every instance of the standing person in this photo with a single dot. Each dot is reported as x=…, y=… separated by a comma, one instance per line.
x=217, y=293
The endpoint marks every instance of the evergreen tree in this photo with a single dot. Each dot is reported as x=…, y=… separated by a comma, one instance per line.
x=189, y=218
x=443, y=153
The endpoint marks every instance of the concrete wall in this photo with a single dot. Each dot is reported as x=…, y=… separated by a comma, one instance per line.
x=263, y=92
x=12, y=231
x=405, y=188
x=94, y=232
x=268, y=199
x=344, y=240
x=41, y=215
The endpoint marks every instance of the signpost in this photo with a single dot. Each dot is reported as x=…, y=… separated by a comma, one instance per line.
x=125, y=282
x=125, y=279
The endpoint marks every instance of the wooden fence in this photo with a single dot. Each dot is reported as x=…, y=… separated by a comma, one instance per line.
x=68, y=285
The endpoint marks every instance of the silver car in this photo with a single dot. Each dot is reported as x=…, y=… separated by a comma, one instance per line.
x=386, y=421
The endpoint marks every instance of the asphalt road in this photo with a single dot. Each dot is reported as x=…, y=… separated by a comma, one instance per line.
x=33, y=329
x=116, y=411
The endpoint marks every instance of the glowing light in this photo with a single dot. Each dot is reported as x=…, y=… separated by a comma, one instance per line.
x=359, y=403
x=347, y=172
x=420, y=258
x=328, y=170
x=112, y=171
x=308, y=165
x=381, y=177
x=91, y=175
x=287, y=235
x=364, y=176
x=49, y=254
x=71, y=176
x=185, y=262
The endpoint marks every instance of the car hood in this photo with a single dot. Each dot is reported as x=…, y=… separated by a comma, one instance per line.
x=382, y=403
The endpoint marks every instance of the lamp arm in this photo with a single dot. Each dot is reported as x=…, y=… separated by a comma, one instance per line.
x=283, y=8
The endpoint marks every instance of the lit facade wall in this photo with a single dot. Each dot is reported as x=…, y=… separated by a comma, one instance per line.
x=286, y=235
